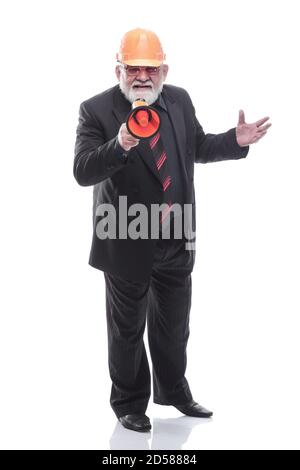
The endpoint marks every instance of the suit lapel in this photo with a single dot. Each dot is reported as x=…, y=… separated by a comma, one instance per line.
x=178, y=123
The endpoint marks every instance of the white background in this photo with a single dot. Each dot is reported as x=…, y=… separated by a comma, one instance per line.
x=243, y=352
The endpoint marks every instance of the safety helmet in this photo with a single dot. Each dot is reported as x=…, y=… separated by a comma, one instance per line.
x=141, y=47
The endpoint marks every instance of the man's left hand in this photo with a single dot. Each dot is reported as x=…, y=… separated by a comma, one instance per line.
x=247, y=134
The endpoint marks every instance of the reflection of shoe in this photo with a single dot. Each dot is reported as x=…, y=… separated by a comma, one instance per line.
x=194, y=409
x=136, y=422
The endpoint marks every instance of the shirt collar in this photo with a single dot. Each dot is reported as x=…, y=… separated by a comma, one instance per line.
x=160, y=102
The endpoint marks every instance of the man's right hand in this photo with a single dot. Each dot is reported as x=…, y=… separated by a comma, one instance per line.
x=126, y=140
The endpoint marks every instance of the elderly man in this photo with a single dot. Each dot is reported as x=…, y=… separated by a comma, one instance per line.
x=147, y=277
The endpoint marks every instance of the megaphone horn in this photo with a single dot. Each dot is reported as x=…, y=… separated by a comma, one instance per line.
x=143, y=121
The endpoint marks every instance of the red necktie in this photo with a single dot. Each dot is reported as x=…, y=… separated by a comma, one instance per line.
x=160, y=158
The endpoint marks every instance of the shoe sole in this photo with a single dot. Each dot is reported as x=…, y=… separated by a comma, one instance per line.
x=132, y=428
x=206, y=415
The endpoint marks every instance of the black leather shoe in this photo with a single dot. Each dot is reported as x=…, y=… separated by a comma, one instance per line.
x=193, y=408
x=136, y=422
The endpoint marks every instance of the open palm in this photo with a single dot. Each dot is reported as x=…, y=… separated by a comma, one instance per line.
x=247, y=134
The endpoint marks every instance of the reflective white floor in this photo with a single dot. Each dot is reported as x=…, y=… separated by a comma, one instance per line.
x=167, y=433
x=55, y=384
x=255, y=429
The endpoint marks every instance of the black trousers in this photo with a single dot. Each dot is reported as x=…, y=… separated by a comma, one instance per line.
x=164, y=302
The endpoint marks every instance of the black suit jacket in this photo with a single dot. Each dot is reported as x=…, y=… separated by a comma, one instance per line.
x=98, y=161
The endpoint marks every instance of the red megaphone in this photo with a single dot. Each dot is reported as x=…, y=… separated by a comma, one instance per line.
x=143, y=121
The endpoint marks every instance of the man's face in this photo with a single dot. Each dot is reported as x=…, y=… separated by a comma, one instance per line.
x=142, y=83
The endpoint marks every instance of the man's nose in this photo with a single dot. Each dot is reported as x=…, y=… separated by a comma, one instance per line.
x=142, y=75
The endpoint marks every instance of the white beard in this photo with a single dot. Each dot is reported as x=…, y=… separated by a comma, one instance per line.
x=132, y=94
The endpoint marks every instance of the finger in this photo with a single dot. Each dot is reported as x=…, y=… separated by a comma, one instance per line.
x=262, y=134
x=261, y=121
x=130, y=138
x=241, y=117
x=263, y=128
x=132, y=143
x=258, y=137
x=254, y=139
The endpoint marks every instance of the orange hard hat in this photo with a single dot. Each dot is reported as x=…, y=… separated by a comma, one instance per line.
x=141, y=47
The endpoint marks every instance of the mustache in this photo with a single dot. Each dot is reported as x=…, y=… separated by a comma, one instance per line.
x=138, y=82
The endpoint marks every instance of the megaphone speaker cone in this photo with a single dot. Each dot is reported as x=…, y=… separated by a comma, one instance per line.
x=142, y=118
x=143, y=122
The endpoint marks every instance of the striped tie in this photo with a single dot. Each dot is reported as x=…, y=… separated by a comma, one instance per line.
x=160, y=158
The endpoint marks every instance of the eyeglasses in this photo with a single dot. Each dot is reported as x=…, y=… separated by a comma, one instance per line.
x=132, y=71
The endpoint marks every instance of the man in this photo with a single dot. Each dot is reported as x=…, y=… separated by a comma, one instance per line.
x=147, y=277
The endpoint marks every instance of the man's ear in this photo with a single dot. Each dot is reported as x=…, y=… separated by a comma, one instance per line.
x=118, y=72
x=165, y=71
